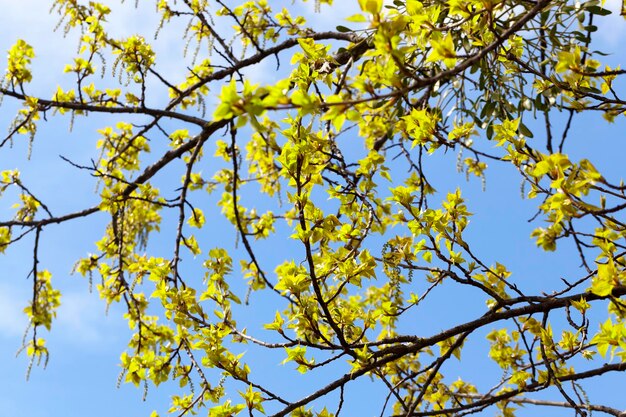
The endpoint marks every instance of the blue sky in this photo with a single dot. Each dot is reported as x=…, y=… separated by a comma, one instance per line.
x=85, y=342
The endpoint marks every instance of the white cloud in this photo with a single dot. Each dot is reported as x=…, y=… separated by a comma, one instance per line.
x=13, y=322
x=82, y=319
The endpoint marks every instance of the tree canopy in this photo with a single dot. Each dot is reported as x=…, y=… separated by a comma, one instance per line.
x=290, y=195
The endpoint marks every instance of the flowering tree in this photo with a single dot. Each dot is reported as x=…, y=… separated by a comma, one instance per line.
x=326, y=162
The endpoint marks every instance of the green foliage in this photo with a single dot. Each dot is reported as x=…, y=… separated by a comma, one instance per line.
x=325, y=162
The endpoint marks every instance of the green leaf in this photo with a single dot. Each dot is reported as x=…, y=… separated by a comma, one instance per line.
x=598, y=10
x=524, y=130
